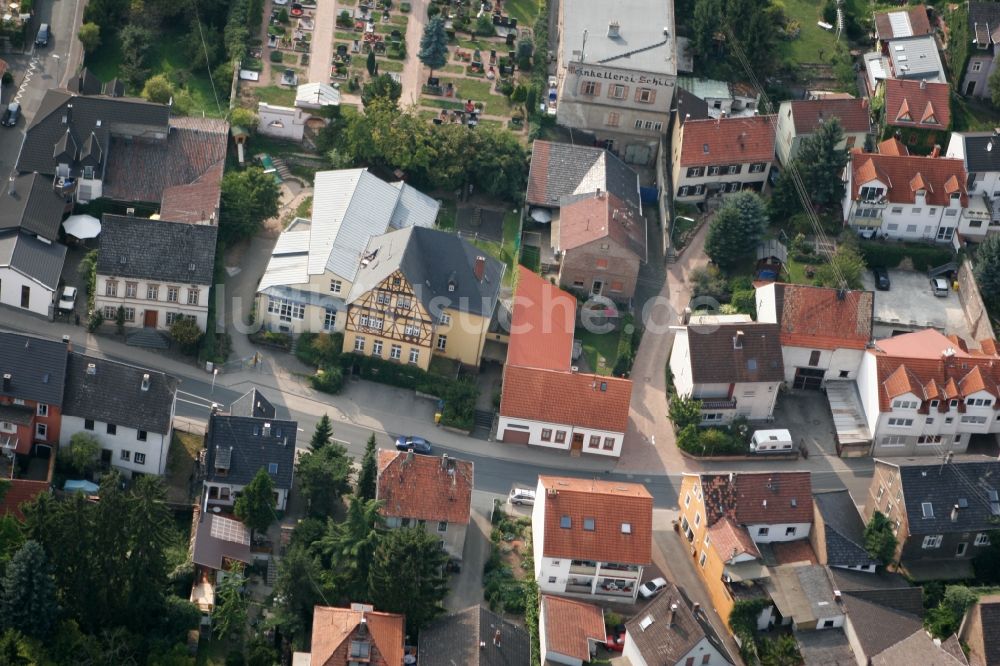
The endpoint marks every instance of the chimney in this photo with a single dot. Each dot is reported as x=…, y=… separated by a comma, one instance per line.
x=738, y=340
x=444, y=461
x=937, y=150
x=614, y=29
x=68, y=342
x=671, y=613
x=695, y=609
x=480, y=268
x=954, y=513
x=267, y=430
x=599, y=194
x=409, y=455
x=6, y=382
x=11, y=190
x=91, y=369
x=215, y=408
x=496, y=638
x=145, y=382
x=923, y=84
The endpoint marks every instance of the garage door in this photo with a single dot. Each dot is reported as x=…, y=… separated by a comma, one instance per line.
x=808, y=378
x=515, y=436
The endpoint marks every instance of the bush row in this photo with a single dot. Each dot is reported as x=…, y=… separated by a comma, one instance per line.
x=628, y=345
x=890, y=255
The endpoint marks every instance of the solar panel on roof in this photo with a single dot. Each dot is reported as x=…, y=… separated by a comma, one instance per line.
x=223, y=458
x=227, y=529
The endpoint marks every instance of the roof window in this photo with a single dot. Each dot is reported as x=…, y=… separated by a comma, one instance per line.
x=928, y=509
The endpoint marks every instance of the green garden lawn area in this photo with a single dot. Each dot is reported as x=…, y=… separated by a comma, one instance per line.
x=506, y=251
x=812, y=38
x=525, y=11
x=278, y=95
x=600, y=349
x=165, y=57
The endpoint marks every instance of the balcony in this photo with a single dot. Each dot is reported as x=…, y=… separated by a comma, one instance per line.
x=717, y=403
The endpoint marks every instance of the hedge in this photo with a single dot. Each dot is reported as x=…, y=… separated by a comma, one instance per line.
x=459, y=395
x=319, y=350
x=628, y=345
x=891, y=255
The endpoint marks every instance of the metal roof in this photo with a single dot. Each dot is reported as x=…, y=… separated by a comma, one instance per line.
x=33, y=258
x=917, y=58
x=704, y=88
x=646, y=38
x=317, y=94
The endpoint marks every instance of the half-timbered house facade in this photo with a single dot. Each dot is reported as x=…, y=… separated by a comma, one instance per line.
x=420, y=292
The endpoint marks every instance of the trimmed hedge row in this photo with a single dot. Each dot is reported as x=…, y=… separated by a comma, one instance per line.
x=891, y=255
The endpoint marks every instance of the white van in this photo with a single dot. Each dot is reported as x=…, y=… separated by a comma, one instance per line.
x=771, y=441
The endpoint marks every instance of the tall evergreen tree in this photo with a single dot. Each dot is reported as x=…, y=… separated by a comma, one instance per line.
x=299, y=580
x=736, y=229
x=323, y=434
x=371, y=63
x=323, y=477
x=434, y=45
x=368, y=476
x=880, y=542
x=820, y=164
x=149, y=527
x=407, y=576
x=987, y=269
x=110, y=554
x=28, y=603
x=255, y=505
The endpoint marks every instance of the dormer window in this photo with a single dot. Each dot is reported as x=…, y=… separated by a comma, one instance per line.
x=361, y=650
x=871, y=193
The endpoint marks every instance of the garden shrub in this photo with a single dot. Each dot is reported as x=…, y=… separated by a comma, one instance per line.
x=891, y=255
x=320, y=350
x=328, y=380
x=275, y=56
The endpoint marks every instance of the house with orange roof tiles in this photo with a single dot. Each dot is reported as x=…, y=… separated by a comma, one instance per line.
x=592, y=538
x=355, y=635
x=715, y=157
x=428, y=492
x=904, y=196
x=544, y=401
x=569, y=630
x=729, y=519
x=732, y=368
x=798, y=120
x=924, y=393
x=823, y=331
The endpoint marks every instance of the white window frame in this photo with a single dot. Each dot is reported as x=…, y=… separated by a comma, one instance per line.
x=932, y=541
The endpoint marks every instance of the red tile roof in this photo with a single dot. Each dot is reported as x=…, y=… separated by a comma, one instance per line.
x=919, y=23
x=730, y=540
x=602, y=215
x=571, y=625
x=893, y=146
x=568, y=398
x=921, y=104
x=822, y=318
x=727, y=141
x=425, y=487
x=932, y=366
x=611, y=505
x=17, y=492
x=904, y=174
x=194, y=202
x=810, y=114
x=333, y=626
x=758, y=498
x=542, y=324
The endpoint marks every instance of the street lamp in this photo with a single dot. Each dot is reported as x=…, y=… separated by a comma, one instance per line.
x=58, y=60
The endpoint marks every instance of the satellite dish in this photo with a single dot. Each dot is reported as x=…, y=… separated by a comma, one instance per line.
x=989, y=147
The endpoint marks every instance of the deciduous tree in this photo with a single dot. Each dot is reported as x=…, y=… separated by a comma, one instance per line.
x=82, y=452
x=736, y=229
x=90, y=37
x=382, y=86
x=844, y=269
x=229, y=618
x=248, y=198
x=407, y=576
x=880, y=542
x=323, y=477
x=684, y=412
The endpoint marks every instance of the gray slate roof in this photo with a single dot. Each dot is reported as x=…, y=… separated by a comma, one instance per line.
x=114, y=394
x=34, y=206
x=663, y=643
x=455, y=638
x=251, y=450
x=983, y=13
x=95, y=115
x=37, y=367
x=430, y=260
x=252, y=404
x=849, y=581
x=690, y=106
x=33, y=258
x=944, y=486
x=919, y=648
x=878, y=627
x=977, y=157
x=844, y=529
x=560, y=169
x=157, y=250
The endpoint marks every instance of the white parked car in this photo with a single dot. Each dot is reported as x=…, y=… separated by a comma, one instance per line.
x=651, y=587
x=68, y=299
x=521, y=496
x=939, y=286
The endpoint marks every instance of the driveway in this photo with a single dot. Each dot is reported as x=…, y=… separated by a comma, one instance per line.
x=806, y=415
x=325, y=19
x=412, y=76
x=466, y=587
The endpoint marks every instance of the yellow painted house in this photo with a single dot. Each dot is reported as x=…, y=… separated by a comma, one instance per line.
x=420, y=292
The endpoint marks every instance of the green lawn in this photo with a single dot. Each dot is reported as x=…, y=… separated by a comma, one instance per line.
x=812, y=38
x=165, y=58
x=181, y=461
x=525, y=11
x=441, y=103
x=389, y=65
x=277, y=95
x=508, y=250
x=969, y=116
x=453, y=69
x=446, y=216
x=600, y=350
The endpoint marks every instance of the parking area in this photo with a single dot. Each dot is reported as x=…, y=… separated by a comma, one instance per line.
x=910, y=305
x=806, y=415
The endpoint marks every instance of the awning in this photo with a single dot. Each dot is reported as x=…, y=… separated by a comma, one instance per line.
x=82, y=226
x=752, y=570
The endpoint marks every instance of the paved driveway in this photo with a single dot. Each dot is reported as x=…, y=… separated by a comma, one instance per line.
x=806, y=415
x=466, y=587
